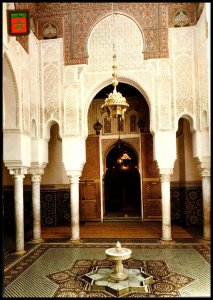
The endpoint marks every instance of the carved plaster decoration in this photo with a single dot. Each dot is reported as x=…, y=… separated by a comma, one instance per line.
x=51, y=91
x=34, y=78
x=18, y=172
x=36, y=171
x=104, y=33
x=71, y=113
x=164, y=103
x=184, y=80
x=50, y=31
x=181, y=19
x=26, y=101
x=180, y=13
x=79, y=20
x=202, y=103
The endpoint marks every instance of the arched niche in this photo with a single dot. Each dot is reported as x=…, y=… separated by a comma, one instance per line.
x=185, y=168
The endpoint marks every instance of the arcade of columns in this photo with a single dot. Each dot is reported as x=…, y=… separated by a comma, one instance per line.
x=19, y=174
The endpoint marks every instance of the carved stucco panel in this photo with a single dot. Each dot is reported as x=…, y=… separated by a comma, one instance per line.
x=70, y=74
x=26, y=102
x=51, y=50
x=183, y=84
x=71, y=113
x=164, y=103
x=101, y=41
x=51, y=90
x=34, y=76
x=202, y=66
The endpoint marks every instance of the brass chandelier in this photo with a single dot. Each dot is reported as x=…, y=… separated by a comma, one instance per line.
x=115, y=104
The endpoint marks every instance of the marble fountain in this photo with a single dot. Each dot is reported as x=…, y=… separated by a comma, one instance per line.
x=118, y=280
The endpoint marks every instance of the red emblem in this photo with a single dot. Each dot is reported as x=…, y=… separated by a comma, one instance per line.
x=18, y=22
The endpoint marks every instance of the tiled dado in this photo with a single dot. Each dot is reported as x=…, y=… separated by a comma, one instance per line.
x=187, y=203
x=55, y=205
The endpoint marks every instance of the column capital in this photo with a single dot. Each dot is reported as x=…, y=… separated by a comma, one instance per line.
x=205, y=172
x=204, y=166
x=74, y=175
x=36, y=171
x=18, y=172
x=165, y=174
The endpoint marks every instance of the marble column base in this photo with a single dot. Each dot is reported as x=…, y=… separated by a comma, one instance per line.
x=77, y=241
x=20, y=252
x=206, y=239
x=167, y=241
x=37, y=241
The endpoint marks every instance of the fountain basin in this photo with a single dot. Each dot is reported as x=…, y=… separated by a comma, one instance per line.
x=118, y=254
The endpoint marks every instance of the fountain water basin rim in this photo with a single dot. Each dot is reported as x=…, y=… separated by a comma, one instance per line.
x=113, y=252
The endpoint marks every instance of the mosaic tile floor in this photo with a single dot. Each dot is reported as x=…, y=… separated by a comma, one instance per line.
x=28, y=276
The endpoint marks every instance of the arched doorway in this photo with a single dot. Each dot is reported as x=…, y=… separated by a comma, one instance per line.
x=122, y=182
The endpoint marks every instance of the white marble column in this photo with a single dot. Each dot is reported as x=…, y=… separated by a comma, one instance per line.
x=166, y=204
x=74, y=205
x=36, y=203
x=205, y=173
x=19, y=207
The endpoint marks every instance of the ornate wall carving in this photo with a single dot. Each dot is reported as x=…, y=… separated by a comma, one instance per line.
x=202, y=78
x=79, y=20
x=51, y=91
x=183, y=53
x=100, y=45
x=51, y=80
x=71, y=113
x=34, y=78
x=189, y=8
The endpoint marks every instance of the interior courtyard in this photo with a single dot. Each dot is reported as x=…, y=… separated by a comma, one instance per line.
x=82, y=174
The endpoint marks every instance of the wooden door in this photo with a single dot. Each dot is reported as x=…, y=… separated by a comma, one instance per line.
x=151, y=181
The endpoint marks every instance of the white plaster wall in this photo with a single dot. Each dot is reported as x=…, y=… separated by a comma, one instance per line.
x=16, y=149
x=54, y=172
